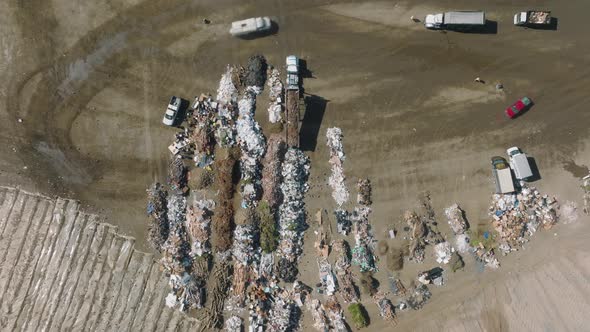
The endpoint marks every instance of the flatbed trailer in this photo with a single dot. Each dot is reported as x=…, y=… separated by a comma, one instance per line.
x=292, y=124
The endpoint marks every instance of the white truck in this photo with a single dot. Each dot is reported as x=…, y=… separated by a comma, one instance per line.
x=460, y=20
x=520, y=164
x=292, y=62
x=250, y=26
x=502, y=176
x=172, y=111
x=533, y=18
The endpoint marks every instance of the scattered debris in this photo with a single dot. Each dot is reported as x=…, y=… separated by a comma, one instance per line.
x=386, y=308
x=462, y=243
x=233, y=324
x=418, y=297
x=157, y=210
x=198, y=221
x=487, y=257
x=569, y=212
x=456, y=218
x=335, y=315
x=364, y=192
x=443, y=252
x=276, y=96
x=342, y=266
x=327, y=278
x=318, y=313
x=343, y=222
x=177, y=177
x=336, y=180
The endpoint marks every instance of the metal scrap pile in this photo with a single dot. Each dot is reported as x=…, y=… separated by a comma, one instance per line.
x=233, y=324
x=157, y=211
x=336, y=180
x=335, y=315
x=418, y=297
x=343, y=222
x=342, y=267
x=364, y=192
x=275, y=109
x=271, y=173
x=198, y=223
x=456, y=219
x=177, y=177
x=362, y=253
x=318, y=313
x=227, y=96
x=514, y=215
x=386, y=308
x=255, y=72
x=295, y=171
x=253, y=145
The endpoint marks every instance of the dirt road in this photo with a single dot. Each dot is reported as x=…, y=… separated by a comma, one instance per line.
x=91, y=81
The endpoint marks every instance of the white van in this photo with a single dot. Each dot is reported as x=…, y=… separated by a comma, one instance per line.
x=520, y=164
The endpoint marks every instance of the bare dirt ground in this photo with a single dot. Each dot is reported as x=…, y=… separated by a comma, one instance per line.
x=91, y=81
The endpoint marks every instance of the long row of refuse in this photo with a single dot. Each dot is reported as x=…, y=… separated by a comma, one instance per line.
x=336, y=181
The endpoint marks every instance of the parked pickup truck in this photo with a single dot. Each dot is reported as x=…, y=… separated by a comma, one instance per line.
x=455, y=20
x=292, y=62
x=532, y=18
x=249, y=26
x=520, y=164
x=502, y=176
x=172, y=111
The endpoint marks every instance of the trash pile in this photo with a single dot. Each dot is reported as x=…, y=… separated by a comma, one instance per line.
x=336, y=180
x=443, y=252
x=418, y=231
x=282, y=313
x=271, y=173
x=183, y=146
x=327, y=278
x=202, y=136
x=362, y=253
x=233, y=324
x=335, y=315
x=227, y=97
x=255, y=72
x=418, y=297
x=157, y=211
x=295, y=171
x=318, y=314
x=486, y=256
x=397, y=287
x=343, y=222
x=243, y=249
x=177, y=177
x=342, y=266
x=515, y=215
x=252, y=143
x=432, y=276
x=198, y=226
x=456, y=219
x=364, y=192
x=386, y=308
x=275, y=85
x=187, y=292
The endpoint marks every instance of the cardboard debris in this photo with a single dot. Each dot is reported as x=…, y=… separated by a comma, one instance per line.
x=456, y=219
x=336, y=180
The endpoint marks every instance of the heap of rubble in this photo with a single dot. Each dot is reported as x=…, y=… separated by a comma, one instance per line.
x=443, y=252
x=327, y=278
x=295, y=171
x=364, y=192
x=198, y=226
x=343, y=222
x=418, y=297
x=271, y=173
x=227, y=96
x=516, y=215
x=335, y=315
x=318, y=314
x=202, y=121
x=282, y=315
x=233, y=324
x=336, y=180
x=253, y=145
x=342, y=266
x=386, y=308
x=177, y=177
x=255, y=72
x=456, y=219
x=362, y=253
x=157, y=211
x=275, y=85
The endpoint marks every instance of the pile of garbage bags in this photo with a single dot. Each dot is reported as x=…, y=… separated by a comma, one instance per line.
x=275, y=85
x=336, y=181
x=295, y=171
x=253, y=145
x=271, y=172
x=157, y=211
x=456, y=219
x=198, y=225
x=515, y=215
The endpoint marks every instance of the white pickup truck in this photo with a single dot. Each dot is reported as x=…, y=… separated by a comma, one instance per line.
x=172, y=111
x=520, y=164
x=249, y=26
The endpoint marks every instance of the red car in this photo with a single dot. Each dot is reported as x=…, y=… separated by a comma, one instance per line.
x=516, y=108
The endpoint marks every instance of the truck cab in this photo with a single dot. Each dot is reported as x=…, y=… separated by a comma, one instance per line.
x=292, y=63
x=434, y=21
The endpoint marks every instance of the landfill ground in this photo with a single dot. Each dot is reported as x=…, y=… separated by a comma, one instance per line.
x=91, y=82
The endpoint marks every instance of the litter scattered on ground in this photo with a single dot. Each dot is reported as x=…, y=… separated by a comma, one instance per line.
x=418, y=297
x=456, y=219
x=516, y=215
x=386, y=308
x=276, y=96
x=364, y=192
x=295, y=171
x=462, y=243
x=336, y=181
x=487, y=257
x=569, y=212
x=335, y=315
x=177, y=177
x=318, y=314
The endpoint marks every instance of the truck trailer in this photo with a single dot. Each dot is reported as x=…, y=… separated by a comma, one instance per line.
x=502, y=176
x=533, y=18
x=460, y=20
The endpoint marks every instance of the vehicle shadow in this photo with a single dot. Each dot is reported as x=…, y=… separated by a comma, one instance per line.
x=315, y=107
x=304, y=70
x=274, y=29
x=535, y=169
x=490, y=28
x=182, y=114
x=551, y=26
